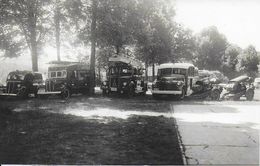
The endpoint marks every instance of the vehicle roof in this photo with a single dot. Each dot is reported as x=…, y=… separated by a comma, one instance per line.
x=72, y=66
x=239, y=79
x=24, y=72
x=176, y=65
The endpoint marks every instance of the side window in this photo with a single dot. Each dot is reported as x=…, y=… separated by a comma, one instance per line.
x=82, y=75
x=53, y=74
x=59, y=74
x=64, y=74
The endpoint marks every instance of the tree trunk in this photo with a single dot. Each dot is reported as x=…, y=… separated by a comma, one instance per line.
x=153, y=71
x=99, y=75
x=93, y=47
x=146, y=71
x=57, y=30
x=33, y=42
x=34, y=55
x=117, y=50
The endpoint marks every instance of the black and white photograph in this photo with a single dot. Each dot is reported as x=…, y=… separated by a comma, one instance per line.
x=129, y=82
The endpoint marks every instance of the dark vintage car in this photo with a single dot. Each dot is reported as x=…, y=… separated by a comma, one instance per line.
x=22, y=84
x=65, y=79
x=241, y=86
x=206, y=88
x=124, y=76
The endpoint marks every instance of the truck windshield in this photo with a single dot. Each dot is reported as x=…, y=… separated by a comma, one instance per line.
x=170, y=71
x=15, y=77
x=120, y=71
x=57, y=74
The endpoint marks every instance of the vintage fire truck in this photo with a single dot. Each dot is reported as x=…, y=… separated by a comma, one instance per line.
x=21, y=84
x=65, y=79
x=124, y=76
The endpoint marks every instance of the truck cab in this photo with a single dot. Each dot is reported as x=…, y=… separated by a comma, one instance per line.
x=174, y=79
x=124, y=76
x=66, y=79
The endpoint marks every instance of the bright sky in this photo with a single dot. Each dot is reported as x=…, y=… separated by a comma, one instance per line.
x=238, y=20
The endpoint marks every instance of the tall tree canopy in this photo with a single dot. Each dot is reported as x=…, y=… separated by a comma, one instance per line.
x=250, y=61
x=231, y=60
x=23, y=21
x=211, y=49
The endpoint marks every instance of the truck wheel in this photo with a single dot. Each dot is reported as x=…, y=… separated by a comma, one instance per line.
x=250, y=94
x=182, y=95
x=65, y=94
x=131, y=91
x=22, y=93
x=105, y=92
x=36, y=93
x=215, y=95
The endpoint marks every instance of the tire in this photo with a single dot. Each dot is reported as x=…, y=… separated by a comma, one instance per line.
x=65, y=94
x=182, y=95
x=250, y=94
x=215, y=95
x=104, y=92
x=131, y=91
x=36, y=93
x=22, y=93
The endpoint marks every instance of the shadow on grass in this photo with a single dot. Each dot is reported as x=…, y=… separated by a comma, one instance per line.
x=40, y=137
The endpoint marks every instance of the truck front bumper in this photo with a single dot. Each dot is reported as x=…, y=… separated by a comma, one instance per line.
x=167, y=92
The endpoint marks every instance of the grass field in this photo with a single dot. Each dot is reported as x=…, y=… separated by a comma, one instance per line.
x=40, y=137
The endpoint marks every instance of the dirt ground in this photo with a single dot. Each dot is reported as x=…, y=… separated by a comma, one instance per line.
x=88, y=130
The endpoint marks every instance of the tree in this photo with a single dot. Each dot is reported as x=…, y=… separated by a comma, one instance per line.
x=184, y=45
x=154, y=33
x=57, y=22
x=250, y=61
x=93, y=45
x=231, y=60
x=211, y=49
x=22, y=21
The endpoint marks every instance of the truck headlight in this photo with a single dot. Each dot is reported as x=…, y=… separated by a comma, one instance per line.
x=124, y=83
x=179, y=83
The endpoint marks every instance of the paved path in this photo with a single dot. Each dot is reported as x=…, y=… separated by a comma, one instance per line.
x=219, y=133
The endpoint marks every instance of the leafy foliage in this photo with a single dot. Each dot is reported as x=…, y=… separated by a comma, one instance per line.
x=211, y=49
x=250, y=61
x=231, y=60
x=23, y=22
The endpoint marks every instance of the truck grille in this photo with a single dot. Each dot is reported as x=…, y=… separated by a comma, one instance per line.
x=52, y=86
x=113, y=82
x=167, y=86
